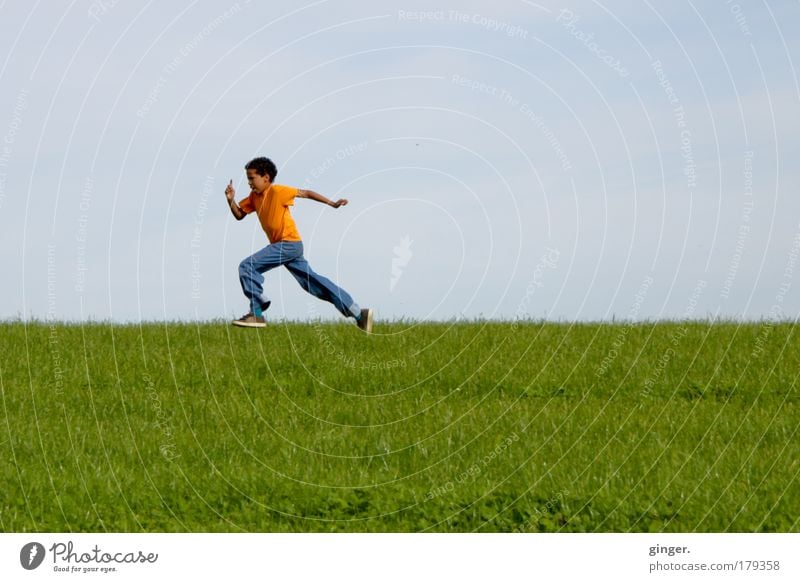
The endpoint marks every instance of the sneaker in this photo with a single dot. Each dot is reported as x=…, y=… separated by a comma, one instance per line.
x=365, y=321
x=250, y=320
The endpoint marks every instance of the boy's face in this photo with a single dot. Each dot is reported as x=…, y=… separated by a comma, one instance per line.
x=257, y=182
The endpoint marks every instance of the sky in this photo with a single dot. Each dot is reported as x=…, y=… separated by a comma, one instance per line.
x=514, y=160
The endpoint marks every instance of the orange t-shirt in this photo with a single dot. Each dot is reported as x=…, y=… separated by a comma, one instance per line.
x=272, y=209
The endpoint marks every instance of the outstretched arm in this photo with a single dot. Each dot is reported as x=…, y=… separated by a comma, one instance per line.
x=320, y=198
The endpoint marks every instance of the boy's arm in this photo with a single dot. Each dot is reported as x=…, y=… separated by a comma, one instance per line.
x=230, y=194
x=320, y=198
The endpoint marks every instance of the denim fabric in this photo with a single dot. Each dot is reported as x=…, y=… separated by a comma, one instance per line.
x=290, y=255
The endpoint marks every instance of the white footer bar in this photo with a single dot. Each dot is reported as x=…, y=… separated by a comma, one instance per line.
x=401, y=557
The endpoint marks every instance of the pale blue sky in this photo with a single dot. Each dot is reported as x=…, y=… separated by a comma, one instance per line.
x=572, y=161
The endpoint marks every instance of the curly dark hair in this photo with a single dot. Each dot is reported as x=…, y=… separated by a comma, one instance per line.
x=264, y=166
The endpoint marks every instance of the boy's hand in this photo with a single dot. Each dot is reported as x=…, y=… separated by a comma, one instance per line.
x=339, y=202
x=230, y=193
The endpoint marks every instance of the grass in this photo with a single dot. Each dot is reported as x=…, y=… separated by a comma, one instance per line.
x=480, y=426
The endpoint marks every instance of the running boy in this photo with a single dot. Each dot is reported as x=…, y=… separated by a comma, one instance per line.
x=271, y=203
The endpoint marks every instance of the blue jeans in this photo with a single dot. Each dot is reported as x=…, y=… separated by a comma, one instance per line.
x=290, y=255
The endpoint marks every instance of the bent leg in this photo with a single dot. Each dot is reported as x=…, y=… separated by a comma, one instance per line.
x=323, y=288
x=252, y=268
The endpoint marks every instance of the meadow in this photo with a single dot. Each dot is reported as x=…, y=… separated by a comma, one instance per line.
x=475, y=426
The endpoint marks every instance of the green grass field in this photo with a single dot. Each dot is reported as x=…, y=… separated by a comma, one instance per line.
x=477, y=426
